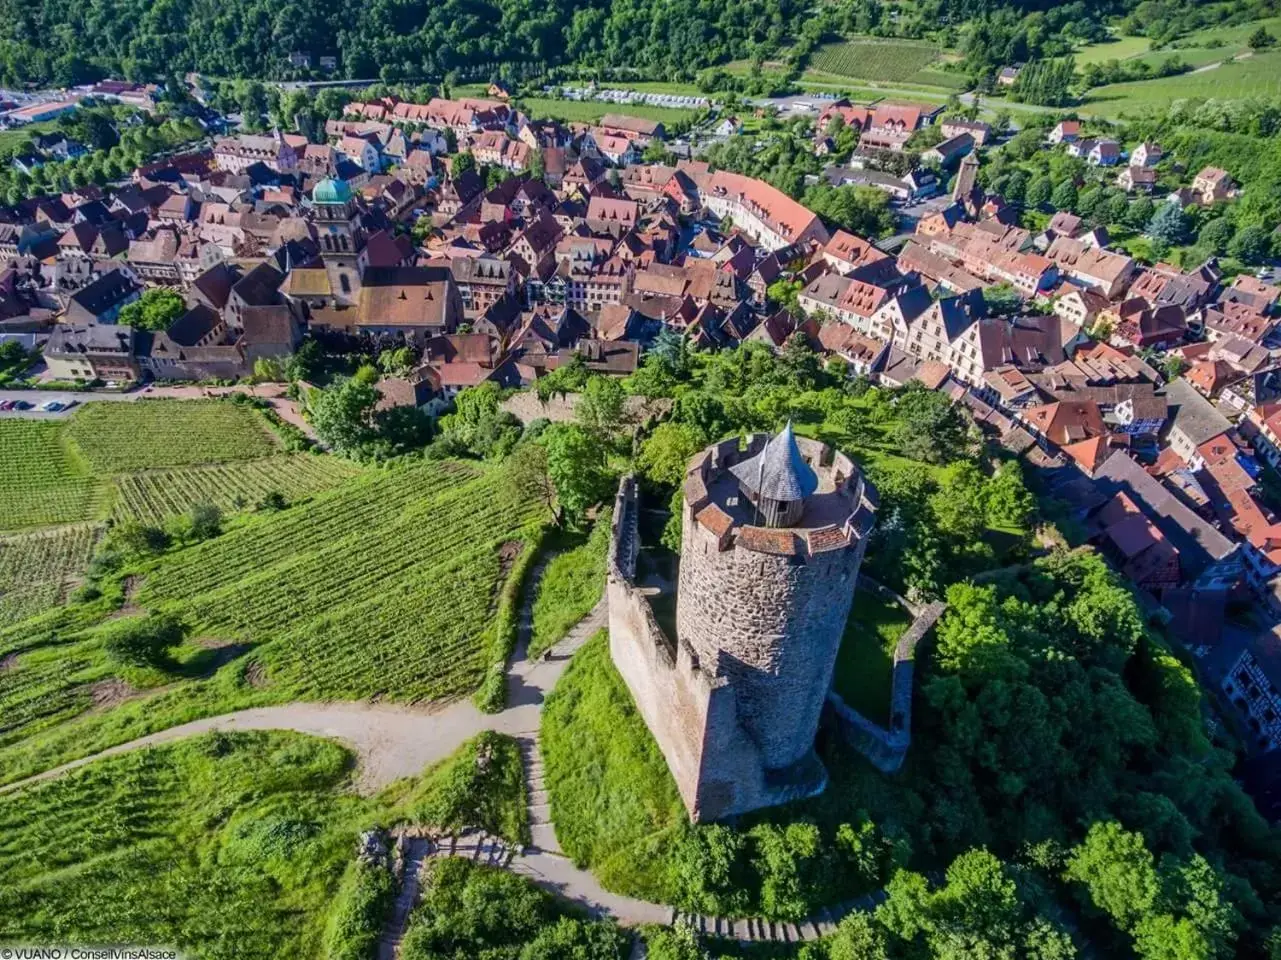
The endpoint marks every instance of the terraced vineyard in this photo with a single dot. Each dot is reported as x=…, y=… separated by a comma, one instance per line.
x=124, y=437
x=36, y=570
x=383, y=587
x=42, y=481
x=157, y=495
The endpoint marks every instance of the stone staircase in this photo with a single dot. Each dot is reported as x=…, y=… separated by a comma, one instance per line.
x=416, y=850
x=542, y=833
x=757, y=929
x=480, y=848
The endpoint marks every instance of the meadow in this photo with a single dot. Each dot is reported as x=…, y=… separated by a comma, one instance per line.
x=1117, y=48
x=613, y=800
x=572, y=583
x=159, y=495
x=37, y=570
x=42, y=479
x=123, y=437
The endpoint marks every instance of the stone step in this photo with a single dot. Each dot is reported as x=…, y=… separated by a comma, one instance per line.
x=540, y=813
x=544, y=837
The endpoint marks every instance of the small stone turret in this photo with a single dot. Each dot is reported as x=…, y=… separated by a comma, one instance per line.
x=777, y=480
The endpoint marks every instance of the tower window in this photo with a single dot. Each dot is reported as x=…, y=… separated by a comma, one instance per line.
x=344, y=282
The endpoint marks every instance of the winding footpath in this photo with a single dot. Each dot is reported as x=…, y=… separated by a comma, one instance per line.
x=392, y=742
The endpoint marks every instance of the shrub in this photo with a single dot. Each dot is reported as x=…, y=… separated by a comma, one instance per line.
x=144, y=641
x=356, y=918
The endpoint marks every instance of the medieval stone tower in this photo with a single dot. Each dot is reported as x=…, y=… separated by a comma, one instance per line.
x=773, y=537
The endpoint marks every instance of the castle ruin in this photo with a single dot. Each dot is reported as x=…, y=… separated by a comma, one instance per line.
x=773, y=536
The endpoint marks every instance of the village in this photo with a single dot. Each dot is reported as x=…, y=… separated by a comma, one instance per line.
x=1145, y=397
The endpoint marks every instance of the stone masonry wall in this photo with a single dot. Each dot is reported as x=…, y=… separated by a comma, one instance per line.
x=671, y=693
x=525, y=406
x=887, y=748
x=772, y=625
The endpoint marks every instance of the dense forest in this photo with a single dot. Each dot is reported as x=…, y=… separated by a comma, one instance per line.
x=65, y=42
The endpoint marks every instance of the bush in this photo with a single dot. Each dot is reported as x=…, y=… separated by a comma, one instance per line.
x=144, y=641
x=473, y=911
x=134, y=539
x=480, y=786
x=359, y=909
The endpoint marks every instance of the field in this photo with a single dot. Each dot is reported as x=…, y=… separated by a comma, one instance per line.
x=572, y=583
x=589, y=111
x=157, y=495
x=866, y=659
x=885, y=61
x=384, y=587
x=613, y=800
x=148, y=434
x=42, y=481
x=37, y=569
x=1257, y=76
x=125, y=850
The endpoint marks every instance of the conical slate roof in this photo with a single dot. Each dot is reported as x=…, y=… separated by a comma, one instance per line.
x=778, y=472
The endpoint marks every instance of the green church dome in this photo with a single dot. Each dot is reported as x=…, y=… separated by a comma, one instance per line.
x=330, y=190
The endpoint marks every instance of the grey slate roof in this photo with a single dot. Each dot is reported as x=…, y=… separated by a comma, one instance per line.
x=1193, y=414
x=778, y=472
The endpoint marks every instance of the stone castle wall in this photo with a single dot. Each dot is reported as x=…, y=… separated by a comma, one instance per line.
x=771, y=625
x=526, y=407
x=886, y=747
x=691, y=714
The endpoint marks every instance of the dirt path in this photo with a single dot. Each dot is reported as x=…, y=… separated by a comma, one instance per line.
x=390, y=742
